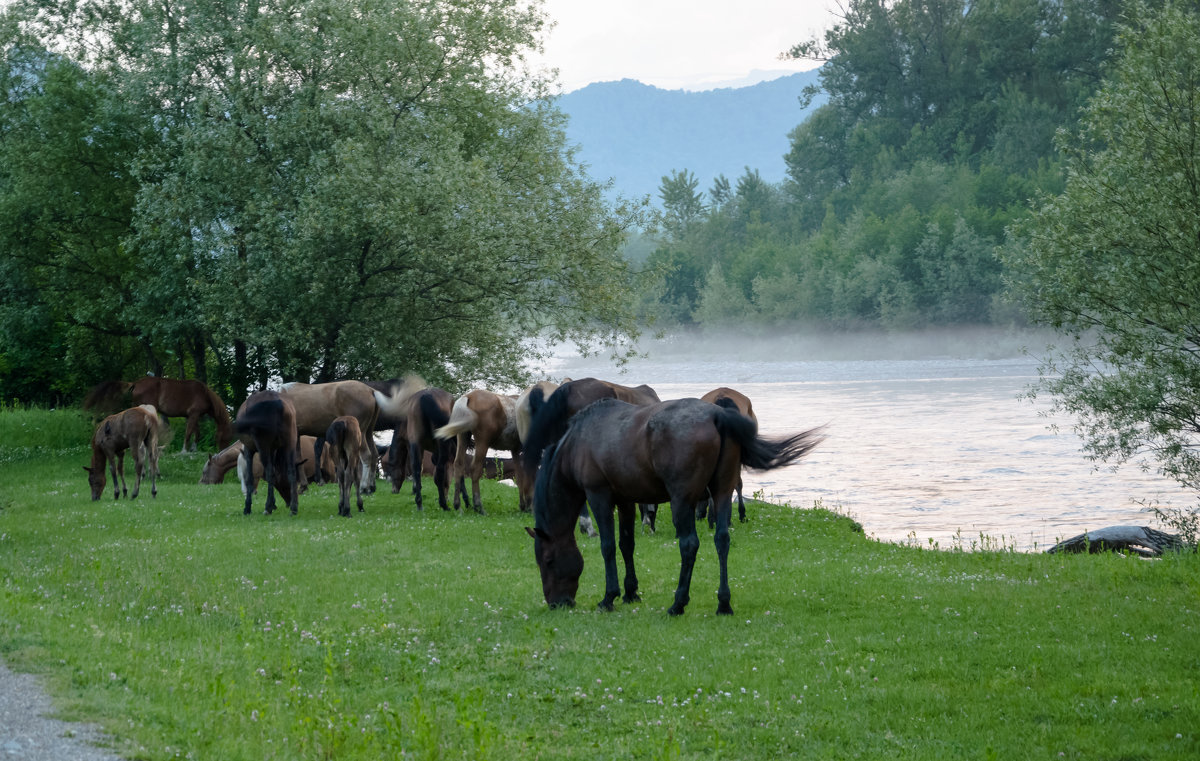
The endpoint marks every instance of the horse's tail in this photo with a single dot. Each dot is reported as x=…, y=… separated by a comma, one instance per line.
x=220, y=415
x=435, y=418
x=547, y=424
x=462, y=420
x=395, y=403
x=264, y=414
x=765, y=454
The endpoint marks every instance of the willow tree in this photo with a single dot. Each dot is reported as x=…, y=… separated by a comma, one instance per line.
x=1113, y=262
x=359, y=188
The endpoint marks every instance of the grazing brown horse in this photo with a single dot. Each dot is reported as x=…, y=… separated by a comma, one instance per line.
x=425, y=409
x=491, y=420
x=185, y=398
x=351, y=460
x=108, y=398
x=551, y=415
x=615, y=454
x=394, y=462
x=728, y=397
x=318, y=404
x=135, y=429
x=266, y=425
x=224, y=461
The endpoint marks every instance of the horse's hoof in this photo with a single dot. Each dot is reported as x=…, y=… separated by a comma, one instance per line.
x=605, y=604
x=724, y=609
x=675, y=610
x=634, y=597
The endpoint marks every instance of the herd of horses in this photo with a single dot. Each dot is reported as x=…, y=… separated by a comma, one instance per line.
x=584, y=443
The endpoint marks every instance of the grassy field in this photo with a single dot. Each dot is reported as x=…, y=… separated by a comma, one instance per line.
x=188, y=630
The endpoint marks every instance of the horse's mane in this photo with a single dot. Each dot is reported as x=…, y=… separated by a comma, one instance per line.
x=547, y=423
x=541, y=488
x=105, y=392
x=220, y=412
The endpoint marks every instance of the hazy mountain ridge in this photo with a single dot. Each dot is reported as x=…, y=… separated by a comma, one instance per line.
x=636, y=133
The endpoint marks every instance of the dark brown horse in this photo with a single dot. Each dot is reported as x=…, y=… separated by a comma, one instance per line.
x=728, y=397
x=266, y=425
x=351, y=460
x=190, y=399
x=491, y=421
x=395, y=464
x=134, y=429
x=615, y=454
x=318, y=404
x=219, y=464
x=550, y=416
x=425, y=409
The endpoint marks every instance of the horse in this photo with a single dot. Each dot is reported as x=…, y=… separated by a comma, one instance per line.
x=491, y=420
x=614, y=454
x=318, y=404
x=135, y=429
x=550, y=416
x=108, y=398
x=185, y=398
x=425, y=409
x=266, y=425
x=524, y=413
x=727, y=396
x=224, y=461
x=395, y=462
x=348, y=447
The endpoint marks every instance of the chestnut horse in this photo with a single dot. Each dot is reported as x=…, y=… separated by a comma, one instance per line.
x=318, y=404
x=266, y=425
x=135, y=429
x=185, y=398
x=490, y=419
x=551, y=415
x=740, y=402
x=224, y=461
x=425, y=409
x=351, y=460
x=615, y=454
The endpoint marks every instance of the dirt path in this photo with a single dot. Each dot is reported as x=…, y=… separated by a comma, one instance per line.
x=28, y=734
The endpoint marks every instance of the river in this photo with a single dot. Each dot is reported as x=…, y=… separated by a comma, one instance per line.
x=930, y=439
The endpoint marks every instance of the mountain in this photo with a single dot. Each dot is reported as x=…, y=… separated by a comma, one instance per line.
x=635, y=133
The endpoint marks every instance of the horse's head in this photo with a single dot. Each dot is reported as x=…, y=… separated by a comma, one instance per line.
x=209, y=474
x=560, y=563
x=95, y=480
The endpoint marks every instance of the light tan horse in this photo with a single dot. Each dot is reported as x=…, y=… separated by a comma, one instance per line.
x=219, y=464
x=726, y=396
x=135, y=429
x=491, y=420
x=352, y=462
x=319, y=404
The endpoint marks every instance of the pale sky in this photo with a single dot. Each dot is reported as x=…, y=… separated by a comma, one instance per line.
x=678, y=44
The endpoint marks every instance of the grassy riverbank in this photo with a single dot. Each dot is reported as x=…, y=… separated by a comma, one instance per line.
x=189, y=630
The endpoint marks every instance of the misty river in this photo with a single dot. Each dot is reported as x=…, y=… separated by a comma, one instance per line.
x=928, y=436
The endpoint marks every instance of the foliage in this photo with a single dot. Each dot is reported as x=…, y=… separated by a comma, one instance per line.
x=314, y=190
x=183, y=627
x=937, y=130
x=1112, y=261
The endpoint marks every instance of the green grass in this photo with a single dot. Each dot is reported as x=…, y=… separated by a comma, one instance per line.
x=189, y=630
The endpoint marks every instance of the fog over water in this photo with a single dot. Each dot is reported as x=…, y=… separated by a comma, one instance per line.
x=927, y=436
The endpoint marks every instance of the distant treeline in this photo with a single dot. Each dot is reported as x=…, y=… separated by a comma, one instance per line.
x=938, y=131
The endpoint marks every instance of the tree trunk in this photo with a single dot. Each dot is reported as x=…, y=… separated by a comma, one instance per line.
x=1142, y=540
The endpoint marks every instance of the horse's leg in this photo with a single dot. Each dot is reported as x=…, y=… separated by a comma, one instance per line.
x=191, y=430
x=116, y=464
x=741, y=502
x=481, y=450
x=603, y=510
x=341, y=471
x=361, y=486
x=292, y=471
x=441, y=461
x=268, y=458
x=649, y=514
x=139, y=466
x=627, y=523
x=415, y=453
x=368, y=486
x=318, y=447
x=460, y=467
x=524, y=483
x=245, y=468
x=724, y=510
x=684, y=518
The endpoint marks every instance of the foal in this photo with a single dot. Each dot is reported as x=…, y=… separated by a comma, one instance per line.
x=136, y=429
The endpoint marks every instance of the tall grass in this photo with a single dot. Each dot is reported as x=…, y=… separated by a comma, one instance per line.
x=189, y=630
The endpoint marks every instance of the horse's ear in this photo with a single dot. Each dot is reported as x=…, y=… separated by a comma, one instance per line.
x=528, y=529
x=537, y=533
x=89, y=470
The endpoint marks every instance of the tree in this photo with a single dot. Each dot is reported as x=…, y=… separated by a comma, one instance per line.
x=1113, y=262
x=350, y=189
x=682, y=203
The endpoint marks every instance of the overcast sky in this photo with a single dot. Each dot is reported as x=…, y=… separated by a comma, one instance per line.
x=678, y=44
